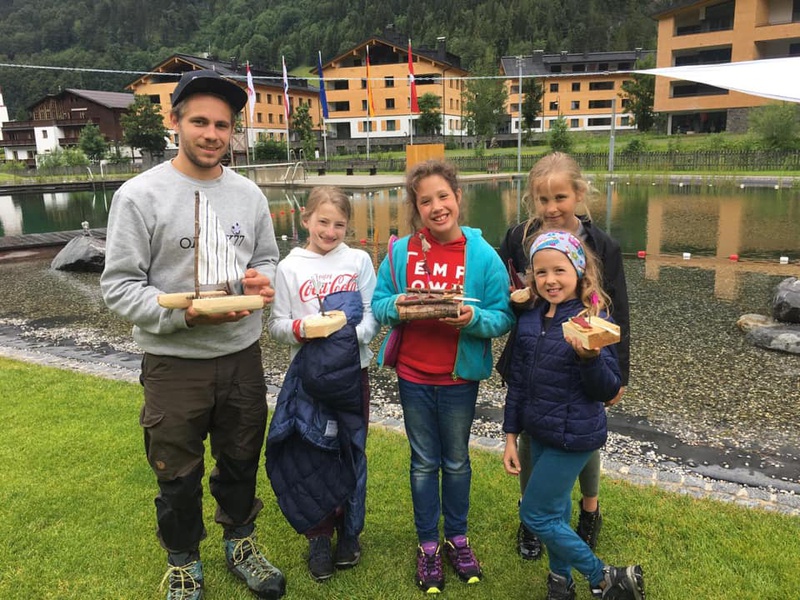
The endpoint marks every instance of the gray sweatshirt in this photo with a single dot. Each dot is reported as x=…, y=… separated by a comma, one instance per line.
x=149, y=251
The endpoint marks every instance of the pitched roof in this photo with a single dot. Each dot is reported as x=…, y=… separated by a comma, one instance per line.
x=107, y=99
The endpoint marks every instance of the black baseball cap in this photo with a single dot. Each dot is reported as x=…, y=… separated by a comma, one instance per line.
x=209, y=82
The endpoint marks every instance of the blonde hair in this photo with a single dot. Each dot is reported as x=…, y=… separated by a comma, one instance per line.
x=421, y=171
x=547, y=167
x=589, y=284
x=327, y=193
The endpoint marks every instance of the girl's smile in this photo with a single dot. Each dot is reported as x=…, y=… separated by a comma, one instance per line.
x=326, y=226
x=556, y=200
x=555, y=277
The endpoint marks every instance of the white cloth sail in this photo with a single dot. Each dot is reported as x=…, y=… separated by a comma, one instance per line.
x=216, y=263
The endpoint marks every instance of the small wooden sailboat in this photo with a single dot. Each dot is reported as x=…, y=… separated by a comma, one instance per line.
x=217, y=275
x=426, y=303
x=325, y=322
x=521, y=293
x=593, y=332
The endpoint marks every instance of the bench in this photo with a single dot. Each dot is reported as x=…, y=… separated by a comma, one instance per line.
x=363, y=165
x=319, y=165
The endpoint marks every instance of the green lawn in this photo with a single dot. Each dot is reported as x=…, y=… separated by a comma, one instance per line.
x=77, y=518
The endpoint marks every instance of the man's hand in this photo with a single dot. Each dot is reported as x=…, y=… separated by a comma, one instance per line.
x=256, y=283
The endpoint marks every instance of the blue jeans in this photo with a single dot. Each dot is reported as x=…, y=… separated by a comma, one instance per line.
x=438, y=419
x=546, y=509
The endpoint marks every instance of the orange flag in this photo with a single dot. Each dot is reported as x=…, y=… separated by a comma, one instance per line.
x=370, y=104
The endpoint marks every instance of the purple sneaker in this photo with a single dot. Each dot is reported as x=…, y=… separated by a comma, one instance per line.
x=461, y=556
x=430, y=576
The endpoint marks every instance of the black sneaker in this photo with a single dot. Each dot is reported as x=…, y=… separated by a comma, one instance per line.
x=621, y=583
x=348, y=551
x=529, y=545
x=246, y=561
x=589, y=524
x=320, y=560
x=558, y=588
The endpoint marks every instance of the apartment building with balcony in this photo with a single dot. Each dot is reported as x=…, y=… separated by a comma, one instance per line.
x=715, y=32
x=584, y=88
x=57, y=120
x=269, y=119
x=436, y=72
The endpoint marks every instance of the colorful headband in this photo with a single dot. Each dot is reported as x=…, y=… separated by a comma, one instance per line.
x=563, y=242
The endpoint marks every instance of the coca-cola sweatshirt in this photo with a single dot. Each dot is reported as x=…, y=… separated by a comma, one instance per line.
x=304, y=275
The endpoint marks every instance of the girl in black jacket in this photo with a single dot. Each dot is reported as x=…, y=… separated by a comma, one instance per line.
x=557, y=194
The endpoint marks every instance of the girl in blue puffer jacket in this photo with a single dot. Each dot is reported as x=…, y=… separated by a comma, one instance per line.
x=557, y=392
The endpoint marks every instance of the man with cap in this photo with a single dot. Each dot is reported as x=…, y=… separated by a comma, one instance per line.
x=202, y=374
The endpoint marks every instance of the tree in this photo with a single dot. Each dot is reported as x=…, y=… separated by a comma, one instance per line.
x=640, y=92
x=484, y=104
x=92, y=143
x=143, y=127
x=430, y=117
x=269, y=149
x=301, y=123
x=559, y=137
x=776, y=124
x=531, y=102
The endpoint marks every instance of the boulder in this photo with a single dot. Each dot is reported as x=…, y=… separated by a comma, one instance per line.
x=84, y=253
x=786, y=302
x=782, y=337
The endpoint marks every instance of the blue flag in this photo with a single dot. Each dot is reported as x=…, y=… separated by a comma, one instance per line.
x=323, y=99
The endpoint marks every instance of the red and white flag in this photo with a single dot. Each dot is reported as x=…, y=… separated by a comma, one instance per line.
x=251, y=92
x=285, y=91
x=411, y=81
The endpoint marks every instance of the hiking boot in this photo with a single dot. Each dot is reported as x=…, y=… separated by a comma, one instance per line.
x=348, y=551
x=529, y=545
x=621, y=583
x=461, y=556
x=320, y=560
x=185, y=581
x=558, y=588
x=589, y=524
x=430, y=575
x=246, y=561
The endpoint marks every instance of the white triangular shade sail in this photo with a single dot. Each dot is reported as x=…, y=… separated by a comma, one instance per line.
x=776, y=78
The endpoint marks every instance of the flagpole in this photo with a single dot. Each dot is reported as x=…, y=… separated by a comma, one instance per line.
x=369, y=105
x=286, y=108
x=323, y=106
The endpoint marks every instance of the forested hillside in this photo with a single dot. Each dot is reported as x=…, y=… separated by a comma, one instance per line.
x=124, y=36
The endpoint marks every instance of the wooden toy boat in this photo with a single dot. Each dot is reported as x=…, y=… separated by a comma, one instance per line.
x=324, y=324
x=425, y=303
x=216, y=272
x=593, y=332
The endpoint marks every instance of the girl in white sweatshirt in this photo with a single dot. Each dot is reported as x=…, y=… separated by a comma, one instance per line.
x=326, y=265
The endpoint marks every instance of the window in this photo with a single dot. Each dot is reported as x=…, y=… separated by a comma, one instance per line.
x=575, y=105
x=515, y=88
x=391, y=125
x=578, y=68
x=600, y=122
x=363, y=105
x=600, y=104
x=625, y=121
x=574, y=123
x=389, y=81
x=259, y=118
x=258, y=96
x=600, y=85
x=270, y=118
x=555, y=69
x=44, y=134
x=280, y=100
x=554, y=106
x=576, y=86
x=553, y=87
x=155, y=99
x=626, y=102
x=602, y=66
x=269, y=98
x=280, y=119
x=341, y=84
x=390, y=103
x=363, y=84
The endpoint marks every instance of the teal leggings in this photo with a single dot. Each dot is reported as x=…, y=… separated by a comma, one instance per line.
x=589, y=477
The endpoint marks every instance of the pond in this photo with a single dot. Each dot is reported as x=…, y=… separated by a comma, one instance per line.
x=699, y=393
